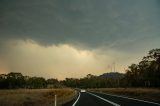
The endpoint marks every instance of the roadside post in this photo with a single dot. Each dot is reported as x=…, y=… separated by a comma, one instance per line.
x=55, y=100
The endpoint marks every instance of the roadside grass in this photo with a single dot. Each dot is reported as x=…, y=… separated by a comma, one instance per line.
x=36, y=97
x=149, y=94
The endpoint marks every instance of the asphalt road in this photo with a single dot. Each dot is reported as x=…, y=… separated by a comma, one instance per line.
x=99, y=99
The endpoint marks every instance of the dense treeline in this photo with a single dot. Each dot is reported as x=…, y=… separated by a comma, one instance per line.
x=17, y=80
x=91, y=81
x=144, y=74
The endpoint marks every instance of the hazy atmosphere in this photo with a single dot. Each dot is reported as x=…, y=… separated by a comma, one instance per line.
x=72, y=38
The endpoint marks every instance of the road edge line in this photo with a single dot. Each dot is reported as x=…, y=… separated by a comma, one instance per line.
x=115, y=104
x=129, y=98
x=77, y=99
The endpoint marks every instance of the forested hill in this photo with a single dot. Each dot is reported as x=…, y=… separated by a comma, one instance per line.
x=112, y=75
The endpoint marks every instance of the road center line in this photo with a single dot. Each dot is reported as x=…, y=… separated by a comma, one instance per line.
x=115, y=104
x=77, y=99
x=130, y=98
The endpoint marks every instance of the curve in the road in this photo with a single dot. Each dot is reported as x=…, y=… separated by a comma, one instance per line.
x=90, y=100
x=102, y=99
x=77, y=99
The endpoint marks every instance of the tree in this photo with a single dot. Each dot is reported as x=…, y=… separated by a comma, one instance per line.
x=15, y=80
x=36, y=82
x=52, y=83
x=147, y=72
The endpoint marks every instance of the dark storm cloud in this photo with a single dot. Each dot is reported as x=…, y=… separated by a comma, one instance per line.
x=94, y=23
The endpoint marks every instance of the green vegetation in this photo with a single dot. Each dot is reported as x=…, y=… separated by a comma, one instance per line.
x=17, y=80
x=91, y=81
x=146, y=73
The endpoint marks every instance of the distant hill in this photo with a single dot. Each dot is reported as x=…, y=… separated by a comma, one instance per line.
x=112, y=75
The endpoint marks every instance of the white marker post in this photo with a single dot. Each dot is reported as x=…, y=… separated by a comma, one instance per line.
x=55, y=100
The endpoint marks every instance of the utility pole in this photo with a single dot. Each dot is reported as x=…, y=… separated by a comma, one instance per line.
x=114, y=66
x=111, y=68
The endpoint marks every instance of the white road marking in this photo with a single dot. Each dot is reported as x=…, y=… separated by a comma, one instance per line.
x=130, y=98
x=77, y=99
x=115, y=104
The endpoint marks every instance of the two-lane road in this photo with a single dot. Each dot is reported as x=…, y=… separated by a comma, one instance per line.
x=86, y=99
x=99, y=99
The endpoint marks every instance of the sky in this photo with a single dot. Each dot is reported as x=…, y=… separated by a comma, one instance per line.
x=73, y=38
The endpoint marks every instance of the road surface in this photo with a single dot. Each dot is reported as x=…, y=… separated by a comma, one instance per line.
x=100, y=99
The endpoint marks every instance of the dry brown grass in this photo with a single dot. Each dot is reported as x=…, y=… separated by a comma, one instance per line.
x=150, y=94
x=35, y=97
